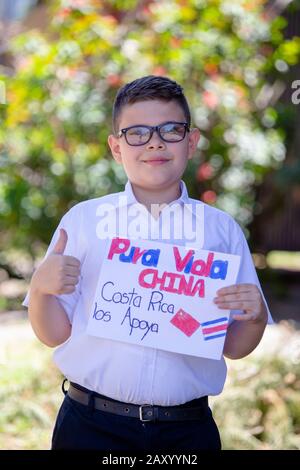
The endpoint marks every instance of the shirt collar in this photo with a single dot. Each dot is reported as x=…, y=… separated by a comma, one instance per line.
x=131, y=199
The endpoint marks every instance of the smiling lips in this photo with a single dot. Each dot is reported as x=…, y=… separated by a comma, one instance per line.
x=156, y=160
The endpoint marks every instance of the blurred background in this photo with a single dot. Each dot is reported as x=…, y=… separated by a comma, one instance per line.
x=61, y=64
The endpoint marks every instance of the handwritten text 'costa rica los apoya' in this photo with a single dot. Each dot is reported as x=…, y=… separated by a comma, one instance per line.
x=184, y=280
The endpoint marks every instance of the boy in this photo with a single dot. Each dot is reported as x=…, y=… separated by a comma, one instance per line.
x=123, y=396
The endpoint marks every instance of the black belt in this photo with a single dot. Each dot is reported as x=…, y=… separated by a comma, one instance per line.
x=143, y=412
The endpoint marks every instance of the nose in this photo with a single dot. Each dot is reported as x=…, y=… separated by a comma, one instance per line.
x=155, y=142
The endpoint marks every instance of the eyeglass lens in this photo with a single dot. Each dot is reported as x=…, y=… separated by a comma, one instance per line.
x=170, y=132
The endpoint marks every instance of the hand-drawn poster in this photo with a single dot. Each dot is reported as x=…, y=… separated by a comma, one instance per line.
x=161, y=296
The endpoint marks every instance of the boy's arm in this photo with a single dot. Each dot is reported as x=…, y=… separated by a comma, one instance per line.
x=48, y=318
x=245, y=333
x=58, y=274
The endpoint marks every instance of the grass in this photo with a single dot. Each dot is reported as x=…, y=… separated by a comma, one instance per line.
x=30, y=394
x=258, y=409
x=284, y=260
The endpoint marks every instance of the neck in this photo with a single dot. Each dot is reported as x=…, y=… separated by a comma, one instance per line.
x=147, y=197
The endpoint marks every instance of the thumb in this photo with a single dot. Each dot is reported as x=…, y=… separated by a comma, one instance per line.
x=61, y=243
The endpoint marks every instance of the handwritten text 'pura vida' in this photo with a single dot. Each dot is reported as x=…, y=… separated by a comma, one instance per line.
x=173, y=282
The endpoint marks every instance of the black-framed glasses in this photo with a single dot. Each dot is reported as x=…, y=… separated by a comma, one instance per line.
x=169, y=132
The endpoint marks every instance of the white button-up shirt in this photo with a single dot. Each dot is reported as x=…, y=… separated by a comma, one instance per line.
x=127, y=372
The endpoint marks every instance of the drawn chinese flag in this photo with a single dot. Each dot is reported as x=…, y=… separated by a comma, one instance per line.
x=185, y=322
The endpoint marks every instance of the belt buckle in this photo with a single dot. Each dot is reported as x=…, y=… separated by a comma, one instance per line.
x=149, y=413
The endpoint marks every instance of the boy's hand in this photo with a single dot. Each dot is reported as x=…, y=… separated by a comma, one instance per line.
x=246, y=297
x=59, y=273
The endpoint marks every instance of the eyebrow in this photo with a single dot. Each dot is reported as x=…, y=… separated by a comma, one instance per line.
x=149, y=125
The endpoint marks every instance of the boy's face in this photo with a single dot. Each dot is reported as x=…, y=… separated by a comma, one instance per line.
x=156, y=165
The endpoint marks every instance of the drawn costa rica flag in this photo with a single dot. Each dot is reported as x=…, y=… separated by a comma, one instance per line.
x=214, y=328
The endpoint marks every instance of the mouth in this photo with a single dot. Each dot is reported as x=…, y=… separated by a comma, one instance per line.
x=156, y=160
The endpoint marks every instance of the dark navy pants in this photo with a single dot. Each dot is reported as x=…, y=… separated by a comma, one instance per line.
x=83, y=427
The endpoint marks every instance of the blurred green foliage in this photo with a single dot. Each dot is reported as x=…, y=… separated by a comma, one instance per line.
x=55, y=126
x=260, y=408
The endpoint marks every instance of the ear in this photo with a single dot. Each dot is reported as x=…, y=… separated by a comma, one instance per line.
x=114, y=145
x=194, y=136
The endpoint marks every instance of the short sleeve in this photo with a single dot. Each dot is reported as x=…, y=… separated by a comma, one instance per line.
x=71, y=223
x=247, y=272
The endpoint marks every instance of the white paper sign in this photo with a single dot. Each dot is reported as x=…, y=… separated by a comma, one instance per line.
x=161, y=296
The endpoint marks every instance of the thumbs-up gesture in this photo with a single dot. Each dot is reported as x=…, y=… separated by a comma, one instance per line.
x=59, y=273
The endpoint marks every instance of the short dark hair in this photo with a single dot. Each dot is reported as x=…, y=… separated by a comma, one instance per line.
x=151, y=87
